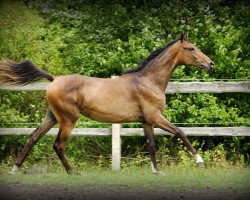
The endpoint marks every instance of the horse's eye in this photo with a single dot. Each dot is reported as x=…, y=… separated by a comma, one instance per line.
x=191, y=49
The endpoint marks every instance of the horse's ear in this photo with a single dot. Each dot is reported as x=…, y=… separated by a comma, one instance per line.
x=183, y=37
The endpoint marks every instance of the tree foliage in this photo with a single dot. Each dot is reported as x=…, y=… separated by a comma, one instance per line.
x=104, y=38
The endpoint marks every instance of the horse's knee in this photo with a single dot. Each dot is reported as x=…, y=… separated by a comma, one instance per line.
x=32, y=139
x=151, y=146
x=58, y=147
x=178, y=132
x=183, y=137
x=55, y=146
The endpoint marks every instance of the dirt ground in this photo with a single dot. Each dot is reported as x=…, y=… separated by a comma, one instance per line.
x=20, y=191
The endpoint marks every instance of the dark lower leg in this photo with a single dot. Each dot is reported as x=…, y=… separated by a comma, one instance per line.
x=28, y=146
x=189, y=146
x=60, y=144
x=46, y=125
x=149, y=134
x=162, y=123
x=183, y=137
x=59, y=149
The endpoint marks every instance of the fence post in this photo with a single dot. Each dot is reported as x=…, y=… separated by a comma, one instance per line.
x=116, y=147
x=116, y=144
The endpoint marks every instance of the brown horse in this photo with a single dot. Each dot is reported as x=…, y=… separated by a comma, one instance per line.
x=136, y=96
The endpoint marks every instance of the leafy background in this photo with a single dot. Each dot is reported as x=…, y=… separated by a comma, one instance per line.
x=104, y=38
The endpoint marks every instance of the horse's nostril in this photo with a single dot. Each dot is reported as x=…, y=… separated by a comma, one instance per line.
x=211, y=64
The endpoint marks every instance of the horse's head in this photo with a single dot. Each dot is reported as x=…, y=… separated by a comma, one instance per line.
x=191, y=55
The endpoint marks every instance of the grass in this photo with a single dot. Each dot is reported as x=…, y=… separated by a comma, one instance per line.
x=175, y=177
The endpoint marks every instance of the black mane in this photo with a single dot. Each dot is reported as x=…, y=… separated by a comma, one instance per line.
x=153, y=55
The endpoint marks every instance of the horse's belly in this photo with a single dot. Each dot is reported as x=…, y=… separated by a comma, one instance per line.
x=111, y=114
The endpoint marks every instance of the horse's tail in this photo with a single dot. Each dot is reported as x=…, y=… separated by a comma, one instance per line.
x=21, y=73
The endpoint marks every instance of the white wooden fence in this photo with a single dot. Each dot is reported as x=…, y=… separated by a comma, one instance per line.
x=117, y=131
x=190, y=131
x=173, y=87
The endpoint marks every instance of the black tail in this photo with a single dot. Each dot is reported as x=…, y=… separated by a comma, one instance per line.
x=21, y=73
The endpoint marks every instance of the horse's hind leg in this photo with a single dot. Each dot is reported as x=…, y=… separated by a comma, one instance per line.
x=48, y=122
x=60, y=143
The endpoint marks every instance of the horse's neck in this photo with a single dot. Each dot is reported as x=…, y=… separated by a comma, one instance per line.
x=159, y=71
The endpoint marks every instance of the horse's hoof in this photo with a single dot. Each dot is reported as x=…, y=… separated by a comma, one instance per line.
x=14, y=170
x=70, y=172
x=200, y=164
x=159, y=173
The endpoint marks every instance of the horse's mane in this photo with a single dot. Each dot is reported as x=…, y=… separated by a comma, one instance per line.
x=153, y=55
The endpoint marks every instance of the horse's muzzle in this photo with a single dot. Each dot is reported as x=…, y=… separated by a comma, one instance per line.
x=210, y=67
x=211, y=64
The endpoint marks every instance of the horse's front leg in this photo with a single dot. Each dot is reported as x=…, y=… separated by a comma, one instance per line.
x=149, y=134
x=164, y=124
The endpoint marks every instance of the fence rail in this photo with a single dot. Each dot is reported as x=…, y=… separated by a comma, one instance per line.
x=173, y=87
x=117, y=131
x=190, y=131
